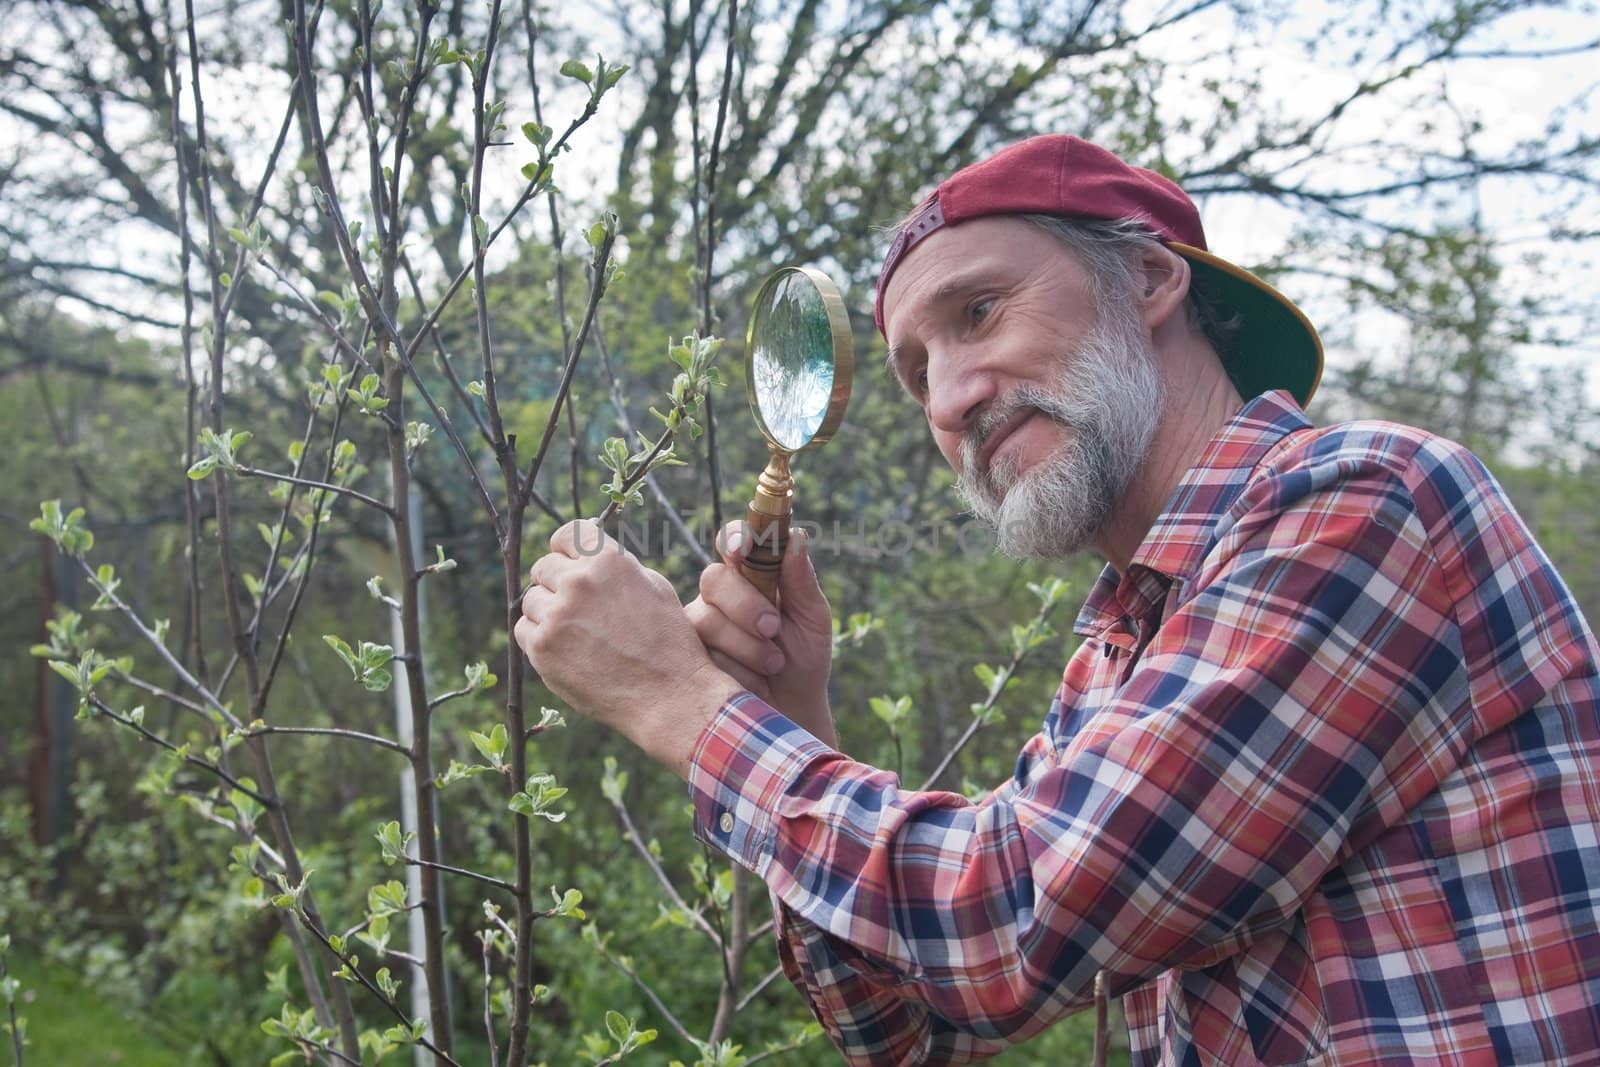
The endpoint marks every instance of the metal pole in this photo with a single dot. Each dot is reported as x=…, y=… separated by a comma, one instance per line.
x=415, y=939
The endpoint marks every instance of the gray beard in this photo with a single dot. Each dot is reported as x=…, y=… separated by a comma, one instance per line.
x=1109, y=398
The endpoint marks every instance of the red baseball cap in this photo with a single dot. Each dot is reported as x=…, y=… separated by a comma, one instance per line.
x=1275, y=347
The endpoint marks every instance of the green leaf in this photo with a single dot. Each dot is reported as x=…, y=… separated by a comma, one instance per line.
x=417, y=434
x=386, y=897
x=567, y=904
x=615, y=454
x=375, y=655
x=377, y=933
x=480, y=677
x=459, y=772
x=392, y=843
x=440, y=563
x=343, y=650
x=387, y=983
x=491, y=746
x=613, y=783
x=986, y=675
x=618, y=1026
x=892, y=712
x=536, y=799
x=578, y=70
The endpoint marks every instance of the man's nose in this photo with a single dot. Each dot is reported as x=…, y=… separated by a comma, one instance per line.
x=958, y=391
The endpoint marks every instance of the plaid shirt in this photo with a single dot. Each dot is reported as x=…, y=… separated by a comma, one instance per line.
x=1321, y=784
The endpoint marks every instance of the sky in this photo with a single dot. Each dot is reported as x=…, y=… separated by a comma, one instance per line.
x=1506, y=99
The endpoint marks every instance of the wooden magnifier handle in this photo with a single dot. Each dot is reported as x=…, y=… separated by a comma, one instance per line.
x=768, y=518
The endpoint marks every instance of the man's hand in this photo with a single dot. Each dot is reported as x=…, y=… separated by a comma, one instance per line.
x=608, y=636
x=782, y=654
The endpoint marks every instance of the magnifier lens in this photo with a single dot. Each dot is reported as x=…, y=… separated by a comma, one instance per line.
x=792, y=361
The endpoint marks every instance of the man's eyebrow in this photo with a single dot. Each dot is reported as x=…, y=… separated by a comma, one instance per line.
x=960, y=285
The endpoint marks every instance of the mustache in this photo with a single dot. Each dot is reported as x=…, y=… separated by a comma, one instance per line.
x=996, y=415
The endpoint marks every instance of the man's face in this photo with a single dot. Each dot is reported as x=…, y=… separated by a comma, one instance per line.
x=1043, y=405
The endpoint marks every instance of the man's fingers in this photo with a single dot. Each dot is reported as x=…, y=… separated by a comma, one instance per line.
x=549, y=570
x=725, y=587
x=523, y=631
x=536, y=603
x=732, y=543
x=580, y=538
x=721, y=634
x=799, y=591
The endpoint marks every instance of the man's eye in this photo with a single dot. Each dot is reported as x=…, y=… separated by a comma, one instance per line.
x=980, y=310
x=919, y=382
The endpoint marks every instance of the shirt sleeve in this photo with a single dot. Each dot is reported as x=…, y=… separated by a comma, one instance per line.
x=1307, y=693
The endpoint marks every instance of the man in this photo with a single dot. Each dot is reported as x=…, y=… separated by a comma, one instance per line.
x=1322, y=782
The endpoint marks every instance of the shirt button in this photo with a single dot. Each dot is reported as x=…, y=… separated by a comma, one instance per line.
x=726, y=822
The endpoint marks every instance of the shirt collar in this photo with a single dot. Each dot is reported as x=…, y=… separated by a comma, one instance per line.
x=1183, y=533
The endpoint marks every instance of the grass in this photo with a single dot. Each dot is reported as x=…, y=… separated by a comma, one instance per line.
x=68, y=1025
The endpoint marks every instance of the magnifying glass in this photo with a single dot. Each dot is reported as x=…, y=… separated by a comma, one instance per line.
x=799, y=360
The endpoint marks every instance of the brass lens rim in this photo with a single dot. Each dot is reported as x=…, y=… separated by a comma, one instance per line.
x=844, y=360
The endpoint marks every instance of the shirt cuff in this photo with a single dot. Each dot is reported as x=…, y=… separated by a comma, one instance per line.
x=744, y=761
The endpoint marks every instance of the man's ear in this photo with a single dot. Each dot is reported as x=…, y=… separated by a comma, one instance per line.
x=1164, y=285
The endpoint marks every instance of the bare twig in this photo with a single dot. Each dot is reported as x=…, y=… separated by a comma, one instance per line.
x=761, y=930
x=383, y=998
x=191, y=491
x=644, y=987
x=528, y=192
x=333, y=731
x=661, y=875
x=463, y=872
x=178, y=750
x=445, y=363
x=165, y=694
x=709, y=272
x=310, y=483
x=757, y=989
x=11, y=1012
x=696, y=549
x=160, y=647
x=488, y=1005
x=776, y=1051
x=480, y=295
x=597, y=289
x=980, y=714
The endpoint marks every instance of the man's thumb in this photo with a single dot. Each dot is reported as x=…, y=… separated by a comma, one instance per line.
x=798, y=585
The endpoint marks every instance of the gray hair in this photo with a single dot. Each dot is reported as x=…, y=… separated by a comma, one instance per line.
x=1110, y=250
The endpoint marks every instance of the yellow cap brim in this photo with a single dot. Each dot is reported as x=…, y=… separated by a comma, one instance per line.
x=1275, y=345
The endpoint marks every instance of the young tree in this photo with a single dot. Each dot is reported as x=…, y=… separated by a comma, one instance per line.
x=374, y=210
